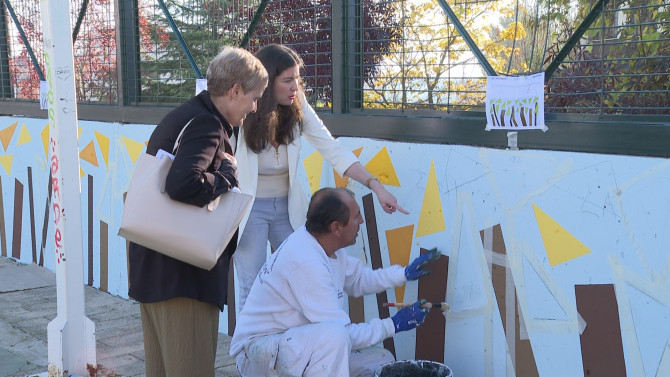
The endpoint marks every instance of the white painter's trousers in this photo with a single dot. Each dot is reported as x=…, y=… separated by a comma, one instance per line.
x=317, y=350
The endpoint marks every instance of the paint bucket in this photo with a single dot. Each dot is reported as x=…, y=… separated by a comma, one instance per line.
x=413, y=368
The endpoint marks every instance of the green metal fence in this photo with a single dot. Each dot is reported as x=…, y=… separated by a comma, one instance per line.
x=424, y=56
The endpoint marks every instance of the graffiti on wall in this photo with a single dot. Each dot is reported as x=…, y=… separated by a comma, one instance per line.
x=551, y=260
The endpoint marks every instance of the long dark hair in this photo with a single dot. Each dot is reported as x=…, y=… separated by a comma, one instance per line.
x=272, y=119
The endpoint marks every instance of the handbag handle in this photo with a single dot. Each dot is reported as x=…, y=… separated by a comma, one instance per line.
x=214, y=203
x=181, y=133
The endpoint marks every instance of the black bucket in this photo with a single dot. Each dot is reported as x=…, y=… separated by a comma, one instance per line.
x=413, y=368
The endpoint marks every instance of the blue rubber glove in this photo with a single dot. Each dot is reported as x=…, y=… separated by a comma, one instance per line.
x=410, y=317
x=415, y=269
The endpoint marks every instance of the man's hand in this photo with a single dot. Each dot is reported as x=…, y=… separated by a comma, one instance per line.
x=410, y=317
x=415, y=269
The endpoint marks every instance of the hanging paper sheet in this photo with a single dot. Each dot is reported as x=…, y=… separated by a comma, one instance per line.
x=515, y=103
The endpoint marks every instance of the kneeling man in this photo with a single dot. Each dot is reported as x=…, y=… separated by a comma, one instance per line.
x=294, y=323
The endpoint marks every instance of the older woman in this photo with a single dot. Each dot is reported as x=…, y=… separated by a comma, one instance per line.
x=180, y=303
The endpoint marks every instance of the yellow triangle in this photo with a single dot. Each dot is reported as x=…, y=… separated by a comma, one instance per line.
x=6, y=135
x=431, y=218
x=133, y=147
x=399, y=242
x=381, y=167
x=45, y=140
x=24, y=136
x=78, y=133
x=313, y=167
x=88, y=154
x=6, y=162
x=340, y=181
x=81, y=172
x=560, y=245
x=103, y=144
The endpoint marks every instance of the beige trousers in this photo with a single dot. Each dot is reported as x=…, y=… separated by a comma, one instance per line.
x=180, y=337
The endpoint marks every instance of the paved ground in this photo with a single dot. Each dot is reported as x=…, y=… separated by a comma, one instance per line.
x=28, y=304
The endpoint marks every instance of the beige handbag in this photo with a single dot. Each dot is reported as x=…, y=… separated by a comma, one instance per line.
x=189, y=233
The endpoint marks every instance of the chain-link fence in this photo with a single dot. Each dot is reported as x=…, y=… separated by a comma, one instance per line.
x=605, y=57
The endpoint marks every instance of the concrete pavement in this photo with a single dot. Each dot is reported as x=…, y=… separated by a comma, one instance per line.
x=28, y=304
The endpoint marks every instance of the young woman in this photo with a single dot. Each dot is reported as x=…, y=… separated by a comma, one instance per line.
x=268, y=152
x=180, y=303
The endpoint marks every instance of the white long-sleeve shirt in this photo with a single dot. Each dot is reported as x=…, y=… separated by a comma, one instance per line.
x=299, y=285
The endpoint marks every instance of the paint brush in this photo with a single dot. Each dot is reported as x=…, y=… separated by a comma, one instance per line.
x=429, y=305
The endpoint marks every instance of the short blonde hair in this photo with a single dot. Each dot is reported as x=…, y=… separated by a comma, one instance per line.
x=232, y=66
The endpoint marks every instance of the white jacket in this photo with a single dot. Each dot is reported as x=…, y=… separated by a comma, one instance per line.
x=299, y=285
x=316, y=133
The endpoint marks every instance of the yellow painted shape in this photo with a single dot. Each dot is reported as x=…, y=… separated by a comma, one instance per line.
x=88, y=154
x=381, y=167
x=24, y=136
x=6, y=135
x=45, y=140
x=313, y=167
x=399, y=241
x=340, y=181
x=133, y=147
x=78, y=133
x=6, y=162
x=560, y=245
x=103, y=144
x=431, y=218
x=81, y=172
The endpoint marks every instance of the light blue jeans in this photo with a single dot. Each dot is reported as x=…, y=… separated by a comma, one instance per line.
x=268, y=221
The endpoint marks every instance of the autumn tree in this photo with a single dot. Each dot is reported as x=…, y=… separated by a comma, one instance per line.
x=434, y=68
x=305, y=25
x=619, y=66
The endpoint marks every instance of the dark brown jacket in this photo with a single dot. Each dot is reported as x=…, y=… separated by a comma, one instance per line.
x=200, y=172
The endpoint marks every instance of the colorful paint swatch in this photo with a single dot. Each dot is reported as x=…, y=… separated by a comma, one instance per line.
x=431, y=218
x=508, y=306
x=313, y=167
x=381, y=167
x=45, y=140
x=133, y=147
x=399, y=243
x=88, y=154
x=24, y=136
x=7, y=134
x=340, y=181
x=103, y=144
x=602, y=348
x=560, y=245
x=433, y=287
x=6, y=162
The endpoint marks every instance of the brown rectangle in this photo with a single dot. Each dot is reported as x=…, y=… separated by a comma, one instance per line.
x=89, y=226
x=602, y=347
x=376, y=260
x=32, y=213
x=433, y=287
x=45, y=224
x=104, y=261
x=524, y=360
x=18, y=219
x=356, y=309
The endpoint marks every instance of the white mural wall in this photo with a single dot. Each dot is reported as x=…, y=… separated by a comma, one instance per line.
x=558, y=262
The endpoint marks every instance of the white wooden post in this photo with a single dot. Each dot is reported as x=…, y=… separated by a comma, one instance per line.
x=71, y=335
